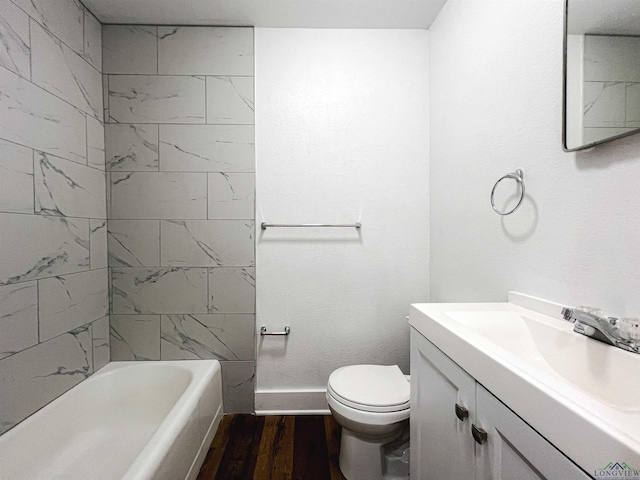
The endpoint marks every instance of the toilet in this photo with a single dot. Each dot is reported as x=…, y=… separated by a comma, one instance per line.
x=371, y=404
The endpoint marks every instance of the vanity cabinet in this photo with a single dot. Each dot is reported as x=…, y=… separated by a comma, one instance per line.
x=447, y=405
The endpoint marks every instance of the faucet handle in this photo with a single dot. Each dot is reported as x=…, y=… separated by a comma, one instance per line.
x=629, y=329
x=567, y=314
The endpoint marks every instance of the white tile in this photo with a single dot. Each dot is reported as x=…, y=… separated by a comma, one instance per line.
x=34, y=377
x=159, y=290
x=238, y=380
x=56, y=246
x=604, y=104
x=95, y=143
x=98, y=243
x=134, y=243
x=149, y=195
x=70, y=301
x=32, y=117
x=18, y=317
x=131, y=148
x=92, y=40
x=15, y=51
x=611, y=58
x=68, y=189
x=633, y=105
x=101, y=347
x=230, y=100
x=129, y=49
x=232, y=290
x=16, y=178
x=205, y=50
x=63, y=18
x=206, y=243
x=220, y=337
x=207, y=148
x=61, y=71
x=135, y=337
x=153, y=99
x=591, y=135
x=231, y=195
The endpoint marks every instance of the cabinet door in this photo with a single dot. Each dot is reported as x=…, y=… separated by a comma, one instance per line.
x=441, y=443
x=513, y=450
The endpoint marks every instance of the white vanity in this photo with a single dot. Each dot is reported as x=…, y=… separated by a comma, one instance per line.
x=510, y=391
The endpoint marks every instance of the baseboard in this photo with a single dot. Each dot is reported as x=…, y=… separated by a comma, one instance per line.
x=292, y=402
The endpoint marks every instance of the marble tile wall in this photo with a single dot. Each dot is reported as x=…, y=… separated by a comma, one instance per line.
x=180, y=156
x=611, y=86
x=54, y=276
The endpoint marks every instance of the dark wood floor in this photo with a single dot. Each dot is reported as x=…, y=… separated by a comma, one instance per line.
x=274, y=448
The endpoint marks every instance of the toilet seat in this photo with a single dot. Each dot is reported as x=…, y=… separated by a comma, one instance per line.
x=370, y=388
x=363, y=416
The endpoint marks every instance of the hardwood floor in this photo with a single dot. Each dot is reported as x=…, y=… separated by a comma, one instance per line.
x=274, y=448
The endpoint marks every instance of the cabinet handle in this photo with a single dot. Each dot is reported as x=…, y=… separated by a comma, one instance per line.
x=479, y=435
x=461, y=412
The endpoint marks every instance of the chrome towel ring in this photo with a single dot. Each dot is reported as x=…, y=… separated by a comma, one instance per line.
x=518, y=176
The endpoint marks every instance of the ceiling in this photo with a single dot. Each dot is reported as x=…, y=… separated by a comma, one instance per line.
x=271, y=13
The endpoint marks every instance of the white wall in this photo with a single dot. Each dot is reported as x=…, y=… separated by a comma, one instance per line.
x=341, y=135
x=496, y=105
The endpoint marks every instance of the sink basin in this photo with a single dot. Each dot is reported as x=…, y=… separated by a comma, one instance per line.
x=600, y=370
x=582, y=395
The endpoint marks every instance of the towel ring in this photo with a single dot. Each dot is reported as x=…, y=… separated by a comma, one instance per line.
x=518, y=176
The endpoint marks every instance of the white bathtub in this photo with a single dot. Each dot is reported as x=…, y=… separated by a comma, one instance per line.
x=130, y=420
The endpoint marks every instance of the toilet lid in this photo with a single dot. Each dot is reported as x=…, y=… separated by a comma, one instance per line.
x=378, y=386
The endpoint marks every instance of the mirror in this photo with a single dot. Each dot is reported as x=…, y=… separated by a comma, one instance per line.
x=601, y=71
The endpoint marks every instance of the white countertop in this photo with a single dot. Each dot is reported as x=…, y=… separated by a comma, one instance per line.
x=583, y=396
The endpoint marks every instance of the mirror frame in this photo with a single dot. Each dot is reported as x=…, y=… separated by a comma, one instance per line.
x=564, y=95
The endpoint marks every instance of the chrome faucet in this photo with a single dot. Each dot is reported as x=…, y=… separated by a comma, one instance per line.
x=591, y=322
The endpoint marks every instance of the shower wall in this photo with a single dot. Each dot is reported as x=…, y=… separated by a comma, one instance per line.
x=180, y=162
x=53, y=236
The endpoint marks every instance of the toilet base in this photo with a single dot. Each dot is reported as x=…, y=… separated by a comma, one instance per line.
x=363, y=459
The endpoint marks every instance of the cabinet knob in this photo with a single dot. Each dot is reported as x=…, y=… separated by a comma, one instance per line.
x=479, y=435
x=461, y=412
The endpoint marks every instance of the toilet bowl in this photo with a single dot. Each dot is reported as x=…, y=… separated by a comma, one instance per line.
x=371, y=404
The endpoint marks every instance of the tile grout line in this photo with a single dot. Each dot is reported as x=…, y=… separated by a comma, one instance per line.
x=38, y=302
x=108, y=117
x=191, y=75
x=71, y=217
x=86, y=138
x=159, y=159
x=33, y=164
x=89, y=237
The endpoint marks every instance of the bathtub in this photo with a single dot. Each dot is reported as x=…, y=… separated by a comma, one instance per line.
x=130, y=420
